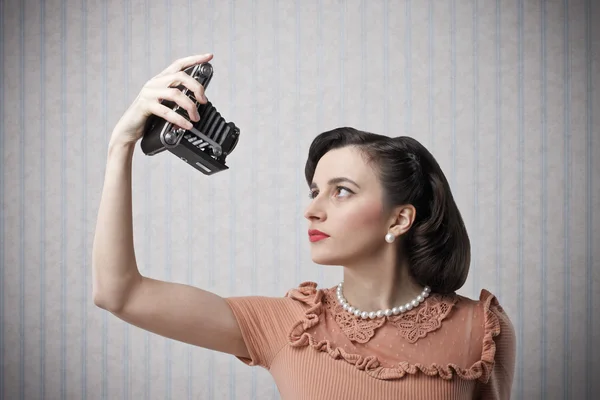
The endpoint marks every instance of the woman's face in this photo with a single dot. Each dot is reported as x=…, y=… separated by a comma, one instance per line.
x=349, y=212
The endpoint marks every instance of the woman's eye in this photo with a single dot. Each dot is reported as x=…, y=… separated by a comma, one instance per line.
x=343, y=188
x=314, y=194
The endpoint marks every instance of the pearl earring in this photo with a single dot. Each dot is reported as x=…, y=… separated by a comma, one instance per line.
x=390, y=237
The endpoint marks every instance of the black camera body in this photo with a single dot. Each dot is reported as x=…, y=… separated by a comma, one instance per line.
x=205, y=146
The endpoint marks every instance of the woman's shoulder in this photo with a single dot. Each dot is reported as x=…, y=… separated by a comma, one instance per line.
x=491, y=329
x=490, y=336
x=496, y=340
x=485, y=315
x=487, y=307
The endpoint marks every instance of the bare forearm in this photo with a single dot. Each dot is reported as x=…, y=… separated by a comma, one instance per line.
x=113, y=257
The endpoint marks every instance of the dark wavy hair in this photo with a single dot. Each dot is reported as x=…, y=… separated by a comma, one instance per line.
x=437, y=245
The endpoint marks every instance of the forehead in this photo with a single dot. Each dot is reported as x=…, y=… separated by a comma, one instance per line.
x=347, y=162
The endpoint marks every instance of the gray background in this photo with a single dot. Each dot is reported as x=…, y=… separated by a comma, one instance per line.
x=505, y=94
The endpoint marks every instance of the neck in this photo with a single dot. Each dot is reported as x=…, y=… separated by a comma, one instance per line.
x=378, y=286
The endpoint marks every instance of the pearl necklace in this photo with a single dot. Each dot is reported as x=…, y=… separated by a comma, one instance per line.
x=381, y=313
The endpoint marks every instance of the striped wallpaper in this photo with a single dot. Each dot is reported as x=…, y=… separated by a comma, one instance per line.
x=504, y=93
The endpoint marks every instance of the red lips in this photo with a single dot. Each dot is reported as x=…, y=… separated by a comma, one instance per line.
x=315, y=235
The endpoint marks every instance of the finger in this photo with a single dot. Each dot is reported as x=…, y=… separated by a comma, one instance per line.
x=179, y=98
x=169, y=115
x=181, y=78
x=183, y=63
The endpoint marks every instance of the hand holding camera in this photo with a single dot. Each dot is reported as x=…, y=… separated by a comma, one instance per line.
x=130, y=127
x=172, y=113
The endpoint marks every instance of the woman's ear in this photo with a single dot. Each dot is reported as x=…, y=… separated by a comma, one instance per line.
x=404, y=218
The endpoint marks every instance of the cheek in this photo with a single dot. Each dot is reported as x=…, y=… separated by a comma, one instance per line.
x=362, y=220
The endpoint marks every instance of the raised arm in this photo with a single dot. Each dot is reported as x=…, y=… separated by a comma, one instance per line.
x=173, y=310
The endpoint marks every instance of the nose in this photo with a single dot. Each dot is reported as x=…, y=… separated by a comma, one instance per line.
x=314, y=212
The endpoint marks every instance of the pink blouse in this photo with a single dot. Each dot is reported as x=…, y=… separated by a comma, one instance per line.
x=449, y=347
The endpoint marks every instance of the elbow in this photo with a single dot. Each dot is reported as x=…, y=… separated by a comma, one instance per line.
x=112, y=296
x=106, y=302
x=100, y=292
x=101, y=301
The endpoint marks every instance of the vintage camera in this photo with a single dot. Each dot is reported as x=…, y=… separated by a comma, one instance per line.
x=205, y=146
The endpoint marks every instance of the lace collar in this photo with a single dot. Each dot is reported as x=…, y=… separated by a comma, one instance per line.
x=412, y=325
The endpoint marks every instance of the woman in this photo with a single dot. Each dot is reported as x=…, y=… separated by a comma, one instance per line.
x=393, y=328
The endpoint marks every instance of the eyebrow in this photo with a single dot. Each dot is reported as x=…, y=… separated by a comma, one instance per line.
x=338, y=179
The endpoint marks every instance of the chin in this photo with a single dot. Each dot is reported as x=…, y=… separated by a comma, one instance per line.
x=326, y=259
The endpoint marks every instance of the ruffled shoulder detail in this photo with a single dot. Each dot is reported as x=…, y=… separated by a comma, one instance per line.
x=312, y=299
